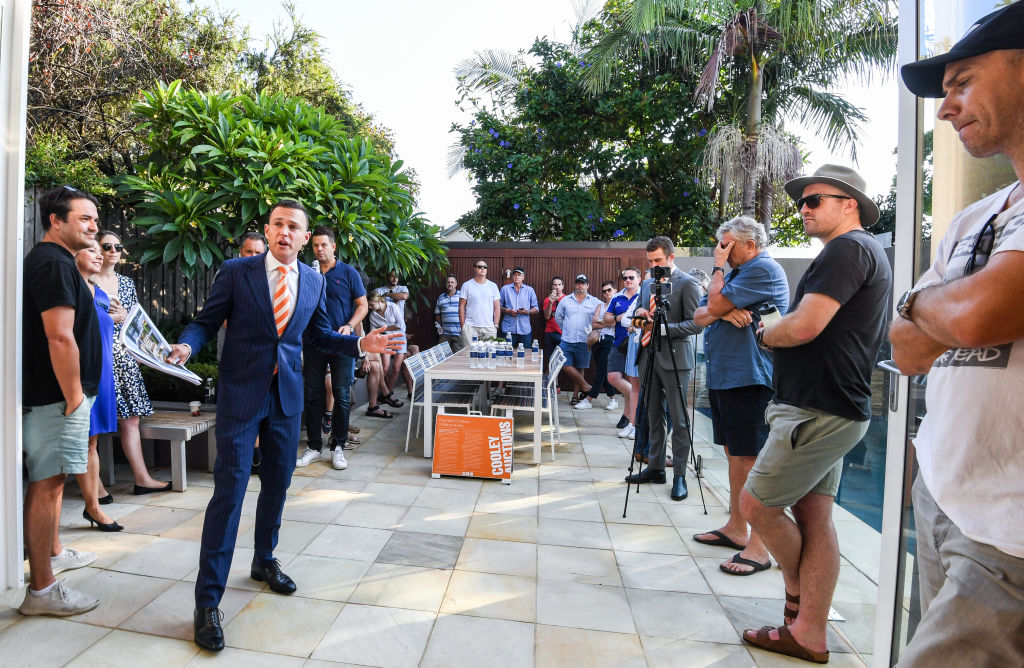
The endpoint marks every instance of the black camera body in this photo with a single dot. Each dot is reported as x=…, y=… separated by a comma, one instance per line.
x=660, y=273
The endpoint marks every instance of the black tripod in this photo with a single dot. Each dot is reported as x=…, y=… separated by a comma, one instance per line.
x=659, y=336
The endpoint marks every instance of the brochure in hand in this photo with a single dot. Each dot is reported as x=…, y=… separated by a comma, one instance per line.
x=148, y=346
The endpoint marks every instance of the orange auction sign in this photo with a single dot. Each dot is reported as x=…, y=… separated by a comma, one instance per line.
x=476, y=446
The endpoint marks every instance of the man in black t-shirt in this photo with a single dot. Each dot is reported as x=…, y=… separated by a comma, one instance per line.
x=824, y=351
x=62, y=360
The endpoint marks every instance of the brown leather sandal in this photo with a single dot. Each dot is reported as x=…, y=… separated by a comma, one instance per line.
x=377, y=411
x=785, y=645
x=789, y=614
x=390, y=400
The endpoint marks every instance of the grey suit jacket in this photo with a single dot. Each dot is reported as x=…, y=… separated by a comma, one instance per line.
x=686, y=294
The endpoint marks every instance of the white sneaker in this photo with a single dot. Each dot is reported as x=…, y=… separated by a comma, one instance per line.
x=583, y=405
x=338, y=460
x=613, y=405
x=60, y=601
x=629, y=431
x=307, y=458
x=71, y=559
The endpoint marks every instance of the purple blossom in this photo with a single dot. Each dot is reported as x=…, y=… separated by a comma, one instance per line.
x=590, y=216
x=592, y=227
x=601, y=219
x=696, y=180
x=510, y=165
x=559, y=63
x=554, y=199
x=702, y=132
x=491, y=131
x=515, y=206
x=619, y=233
x=686, y=194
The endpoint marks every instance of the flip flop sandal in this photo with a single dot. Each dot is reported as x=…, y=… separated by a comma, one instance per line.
x=353, y=440
x=378, y=412
x=737, y=559
x=789, y=614
x=785, y=645
x=721, y=541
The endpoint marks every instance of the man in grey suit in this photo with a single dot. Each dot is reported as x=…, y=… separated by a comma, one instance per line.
x=676, y=345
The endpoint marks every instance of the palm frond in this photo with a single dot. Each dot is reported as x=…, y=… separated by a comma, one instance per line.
x=831, y=116
x=492, y=71
x=453, y=160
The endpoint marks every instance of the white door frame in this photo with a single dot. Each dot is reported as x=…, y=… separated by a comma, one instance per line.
x=908, y=208
x=14, y=43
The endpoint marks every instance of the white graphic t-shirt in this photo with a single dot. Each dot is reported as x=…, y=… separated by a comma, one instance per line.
x=971, y=444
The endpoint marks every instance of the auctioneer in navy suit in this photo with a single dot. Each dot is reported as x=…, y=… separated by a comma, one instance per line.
x=255, y=400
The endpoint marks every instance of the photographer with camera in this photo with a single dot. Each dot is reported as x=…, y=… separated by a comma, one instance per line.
x=739, y=377
x=666, y=360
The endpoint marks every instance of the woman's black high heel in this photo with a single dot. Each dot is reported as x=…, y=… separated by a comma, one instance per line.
x=113, y=526
x=104, y=500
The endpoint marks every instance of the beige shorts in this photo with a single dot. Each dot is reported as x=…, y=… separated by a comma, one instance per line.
x=804, y=453
x=469, y=331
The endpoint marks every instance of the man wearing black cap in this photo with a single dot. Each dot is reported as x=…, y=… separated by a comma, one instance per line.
x=518, y=303
x=963, y=325
x=824, y=352
x=575, y=315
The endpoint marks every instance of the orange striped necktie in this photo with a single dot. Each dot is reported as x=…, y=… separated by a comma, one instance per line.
x=646, y=337
x=282, y=310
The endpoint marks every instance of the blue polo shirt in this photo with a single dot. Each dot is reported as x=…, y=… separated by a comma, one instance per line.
x=525, y=298
x=620, y=304
x=733, y=357
x=343, y=287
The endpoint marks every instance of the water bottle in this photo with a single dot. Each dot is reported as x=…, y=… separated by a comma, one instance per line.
x=506, y=353
x=508, y=338
x=209, y=395
x=492, y=359
x=473, y=352
x=535, y=351
x=520, y=357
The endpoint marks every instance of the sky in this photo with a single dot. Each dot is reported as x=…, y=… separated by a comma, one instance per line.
x=397, y=57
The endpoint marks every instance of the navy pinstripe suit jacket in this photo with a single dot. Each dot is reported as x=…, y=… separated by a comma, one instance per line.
x=241, y=295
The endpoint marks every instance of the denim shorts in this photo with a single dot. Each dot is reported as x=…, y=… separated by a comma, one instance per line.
x=632, y=370
x=55, y=443
x=576, y=354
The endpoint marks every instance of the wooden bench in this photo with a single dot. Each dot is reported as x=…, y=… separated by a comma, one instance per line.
x=177, y=427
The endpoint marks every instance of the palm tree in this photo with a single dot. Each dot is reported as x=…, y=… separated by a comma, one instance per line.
x=760, y=61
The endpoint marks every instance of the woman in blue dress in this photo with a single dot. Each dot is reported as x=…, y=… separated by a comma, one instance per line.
x=103, y=419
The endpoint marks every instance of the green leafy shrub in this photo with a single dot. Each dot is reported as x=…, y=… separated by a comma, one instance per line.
x=218, y=161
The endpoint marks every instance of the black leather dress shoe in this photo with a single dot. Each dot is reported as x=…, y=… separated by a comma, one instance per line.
x=271, y=573
x=679, y=488
x=209, y=635
x=648, y=475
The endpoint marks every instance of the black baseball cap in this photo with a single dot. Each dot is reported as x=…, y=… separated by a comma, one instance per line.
x=519, y=270
x=582, y=278
x=997, y=31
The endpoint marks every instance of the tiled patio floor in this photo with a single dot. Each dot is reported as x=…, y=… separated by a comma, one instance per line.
x=397, y=569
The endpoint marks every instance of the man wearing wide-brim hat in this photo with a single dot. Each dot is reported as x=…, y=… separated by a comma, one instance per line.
x=963, y=325
x=824, y=353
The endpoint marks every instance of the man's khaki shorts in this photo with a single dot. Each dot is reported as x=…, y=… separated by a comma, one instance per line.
x=54, y=443
x=804, y=453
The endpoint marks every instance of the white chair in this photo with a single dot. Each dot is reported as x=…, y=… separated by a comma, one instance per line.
x=523, y=399
x=442, y=399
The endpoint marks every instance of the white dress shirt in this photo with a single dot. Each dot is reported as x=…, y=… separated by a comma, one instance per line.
x=274, y=277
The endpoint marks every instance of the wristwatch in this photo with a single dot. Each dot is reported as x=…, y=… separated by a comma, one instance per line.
x=714, y=269
x=906, y=302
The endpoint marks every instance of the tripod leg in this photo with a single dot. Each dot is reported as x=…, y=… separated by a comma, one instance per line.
x=642, y=407
x=689, y=424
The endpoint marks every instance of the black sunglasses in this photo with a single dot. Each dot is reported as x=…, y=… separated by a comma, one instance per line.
x=109, y=246
x=480, y=266
x=608, y=290
x=982, y=247
x=64, y=191
x=814, y=201
x=629, y=278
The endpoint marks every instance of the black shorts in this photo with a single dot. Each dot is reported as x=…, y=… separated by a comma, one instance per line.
x=616, y=361
x=737, y=418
